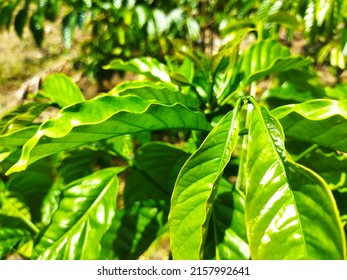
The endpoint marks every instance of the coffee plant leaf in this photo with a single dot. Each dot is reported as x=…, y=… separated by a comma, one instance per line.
x=146, y=199
x=147, y=66
x=105, y=117
x=85, y=212
x=227, y=239
x=321, y=122
x=259, y=61
x=160, y=92
x=196, y=188
x=21, y=117
x=11, y=238
x=61, y=90
x=290, y=212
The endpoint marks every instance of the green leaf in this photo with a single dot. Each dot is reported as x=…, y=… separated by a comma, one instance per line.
x=33, y=184
x=19, y=21
x=6, y=14
x=260, y=60
x=36, y=27
x=14, y=212
x=285, y=19
x=321, y=122
x=196, y=187
x=21, y=117
x=105, y=117
x=146, y=199
x=156, y=165
x=147, y=66
x=290, y=213
x=85, y=213
x=61, y=90
x=228, y=237
x=163, y=93
x=328, y=164
x=68, y=25
x=11, y=238
x=185, y=49
x=134, y=229
x=337, y=92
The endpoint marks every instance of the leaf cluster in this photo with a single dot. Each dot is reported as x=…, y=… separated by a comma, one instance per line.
x=196, y=152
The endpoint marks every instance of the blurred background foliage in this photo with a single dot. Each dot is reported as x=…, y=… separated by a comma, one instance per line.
x=134, y=28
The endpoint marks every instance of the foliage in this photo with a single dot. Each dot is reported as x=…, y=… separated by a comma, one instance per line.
x=126, y=29
x=195, y=152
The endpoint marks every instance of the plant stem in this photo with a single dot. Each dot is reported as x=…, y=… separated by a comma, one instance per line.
x=305, y=152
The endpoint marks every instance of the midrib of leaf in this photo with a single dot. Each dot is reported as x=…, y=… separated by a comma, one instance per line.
x=21, y=216
x=32, y=142
x=283, y=167
x=225, y=155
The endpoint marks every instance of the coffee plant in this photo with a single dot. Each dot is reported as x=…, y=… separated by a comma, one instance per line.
x=239, y=155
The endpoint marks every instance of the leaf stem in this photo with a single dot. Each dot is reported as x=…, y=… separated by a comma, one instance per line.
x=34, y=228
x=305, y=152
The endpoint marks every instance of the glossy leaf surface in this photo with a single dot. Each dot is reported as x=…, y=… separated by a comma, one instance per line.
x=290, y=213
x=160, y=92
x=227, y=238
x=196, y=187
x=105, y=117
x=21, y=117
x=85, y=213
x=260, y=60
x=11, y=238
x=322, y=122
x=146, y=201
x=147, y=66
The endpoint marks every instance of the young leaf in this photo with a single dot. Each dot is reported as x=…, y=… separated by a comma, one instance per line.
x=262, y=59
x=85, y=213
x=105, y=117
x=61, y=90
x=321, y=122
x=290, y=213
x=21, y=117
x=196, y=187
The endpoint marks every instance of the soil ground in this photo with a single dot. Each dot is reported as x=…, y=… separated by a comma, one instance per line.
x=23, y=64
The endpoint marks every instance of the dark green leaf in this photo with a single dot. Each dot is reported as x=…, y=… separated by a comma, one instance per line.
x=20, y=21
x=36, y=27
x=227, y=239
x=146, y=198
